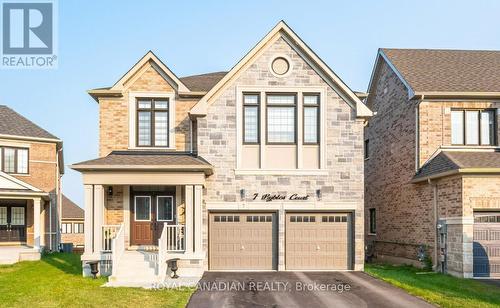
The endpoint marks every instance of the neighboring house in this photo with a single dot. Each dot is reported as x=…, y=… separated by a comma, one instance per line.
x=432, y=167
x=259, y=168
x=31, y=166
x=72, y=223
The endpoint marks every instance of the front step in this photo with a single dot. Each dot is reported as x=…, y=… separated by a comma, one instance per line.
x=135, y=269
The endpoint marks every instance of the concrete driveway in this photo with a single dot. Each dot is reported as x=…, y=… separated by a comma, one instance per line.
x=298, y=289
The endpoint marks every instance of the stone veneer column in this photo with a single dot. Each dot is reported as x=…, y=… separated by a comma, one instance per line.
x=98, y=217
x=198, y=221
x=89, y=232
x=189, y=218
x=37, y=234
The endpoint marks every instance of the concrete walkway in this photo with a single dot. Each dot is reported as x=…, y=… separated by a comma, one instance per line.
x=299, y=289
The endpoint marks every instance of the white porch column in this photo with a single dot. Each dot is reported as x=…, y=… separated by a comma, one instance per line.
x=98, y=217
x=37, y=223
x=198, y=222
x=88, y=201
x=188, y=199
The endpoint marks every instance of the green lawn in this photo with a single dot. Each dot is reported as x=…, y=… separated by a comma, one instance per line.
x=56, y=281
x=439, y=289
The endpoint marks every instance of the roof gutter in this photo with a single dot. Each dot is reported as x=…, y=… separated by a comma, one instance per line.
x=457, y=171
x=447, y=95
x=96, y=93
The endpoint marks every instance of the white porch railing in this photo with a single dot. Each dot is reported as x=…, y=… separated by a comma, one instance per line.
x=118, y=248
x=172, y=240
x=108, y=234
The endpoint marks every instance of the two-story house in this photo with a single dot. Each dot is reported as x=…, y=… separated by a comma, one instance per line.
x=258, y=168
x=31, y=166
x=432, y=165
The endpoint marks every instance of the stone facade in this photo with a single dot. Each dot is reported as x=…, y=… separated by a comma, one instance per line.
x=344, y=159
x=407, y=213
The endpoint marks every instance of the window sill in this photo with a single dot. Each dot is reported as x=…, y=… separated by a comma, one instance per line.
x=470, y=147
x=19, y=174
x=280, y=172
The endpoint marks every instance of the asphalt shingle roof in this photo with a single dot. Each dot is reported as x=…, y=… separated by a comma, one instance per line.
x=147, y=160
x=12, y=123
x=70, y=209
x=440, y=70
x=203, y=82
x=454, y=160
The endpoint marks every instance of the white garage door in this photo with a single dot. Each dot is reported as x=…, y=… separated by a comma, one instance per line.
x=318, y=241
x=242, y=241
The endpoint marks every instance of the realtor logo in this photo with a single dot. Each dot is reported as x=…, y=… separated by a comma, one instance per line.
x=28, y=35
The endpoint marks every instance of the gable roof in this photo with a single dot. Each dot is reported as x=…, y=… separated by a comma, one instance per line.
x=10, y=185
x=156, y=63
x=70, y=209
x=282, y=29
x=14, y=124
x=454, y=162
x=202, y=82
x=444, y=72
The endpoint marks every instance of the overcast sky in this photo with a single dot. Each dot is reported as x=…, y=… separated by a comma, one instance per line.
x=100, y=40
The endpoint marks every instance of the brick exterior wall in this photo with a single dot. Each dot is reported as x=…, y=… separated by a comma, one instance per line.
x=78, y=239
x=404, y=216
x=405, y=211
x=44, y=175
x=114, y=114
x=435, y=124
x=344, y=159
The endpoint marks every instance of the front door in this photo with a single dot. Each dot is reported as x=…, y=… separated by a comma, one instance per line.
x=148, y=215
x=12, y=223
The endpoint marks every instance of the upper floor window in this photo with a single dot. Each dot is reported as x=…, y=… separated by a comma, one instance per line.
x=473, y=127
x=152, y=122
x=251, y=121
x=281, y=118
x=14, y=160
x=311, y=118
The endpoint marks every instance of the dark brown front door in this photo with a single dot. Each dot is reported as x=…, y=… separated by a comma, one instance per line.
x=12, y=223
x=149, y=212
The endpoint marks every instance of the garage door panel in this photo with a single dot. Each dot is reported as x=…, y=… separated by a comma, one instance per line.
x=486, y=247
x=245, y=243
x=317, y=241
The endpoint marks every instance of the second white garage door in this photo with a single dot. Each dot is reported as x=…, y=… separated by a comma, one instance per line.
x=318, y=241
x=242, y=241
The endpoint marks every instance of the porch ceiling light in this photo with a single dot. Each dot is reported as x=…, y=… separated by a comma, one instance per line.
x=110, y=190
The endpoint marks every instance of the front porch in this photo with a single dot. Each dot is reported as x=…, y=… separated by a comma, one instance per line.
x=26, y=221
x=134, y=230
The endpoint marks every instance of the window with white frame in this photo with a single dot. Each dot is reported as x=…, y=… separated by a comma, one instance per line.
x=473, y=127
x=165, y=208
x=281, y=118
x=78, y=227
x=66, y=228
x=251, y=111
x=152, y=122
x=14, y=160
x=311, y=118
